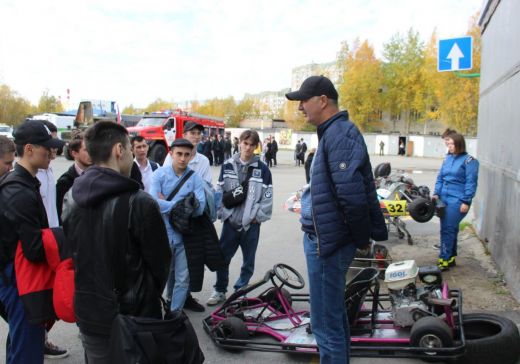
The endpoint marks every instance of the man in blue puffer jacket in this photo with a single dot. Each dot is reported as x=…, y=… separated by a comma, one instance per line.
x=340, y=212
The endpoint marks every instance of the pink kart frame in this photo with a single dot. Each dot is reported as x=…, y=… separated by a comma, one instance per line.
x=269, y=322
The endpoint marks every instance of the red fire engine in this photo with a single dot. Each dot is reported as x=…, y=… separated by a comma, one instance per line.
x=162, y=128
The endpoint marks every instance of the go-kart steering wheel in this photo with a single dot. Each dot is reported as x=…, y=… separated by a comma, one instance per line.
x=289, y=276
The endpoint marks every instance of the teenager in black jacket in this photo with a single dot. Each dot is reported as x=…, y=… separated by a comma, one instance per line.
x=114, y=227
x=82, y=161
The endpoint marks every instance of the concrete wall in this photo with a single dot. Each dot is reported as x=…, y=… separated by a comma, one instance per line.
x=424, y=145
x=497, y=205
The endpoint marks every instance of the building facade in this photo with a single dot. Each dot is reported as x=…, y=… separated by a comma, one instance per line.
x=300, y=73
x=497, y=204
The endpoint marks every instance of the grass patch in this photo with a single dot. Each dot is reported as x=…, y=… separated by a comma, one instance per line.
x=465, y=224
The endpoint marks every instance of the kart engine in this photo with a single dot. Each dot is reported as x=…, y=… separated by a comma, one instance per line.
x=410, y=302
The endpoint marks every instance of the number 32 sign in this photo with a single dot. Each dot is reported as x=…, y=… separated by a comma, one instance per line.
x=395, y=208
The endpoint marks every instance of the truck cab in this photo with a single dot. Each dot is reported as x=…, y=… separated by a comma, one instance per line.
x=162, y=128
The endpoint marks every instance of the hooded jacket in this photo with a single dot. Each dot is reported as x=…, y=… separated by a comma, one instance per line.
x=91, y=215
x=259, y=202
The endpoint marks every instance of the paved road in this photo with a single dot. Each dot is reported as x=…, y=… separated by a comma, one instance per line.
x=280, y=241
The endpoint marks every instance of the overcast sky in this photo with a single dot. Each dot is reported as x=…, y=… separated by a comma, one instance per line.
x=135, y=51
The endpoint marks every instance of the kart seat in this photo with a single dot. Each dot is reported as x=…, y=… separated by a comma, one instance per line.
x=357, y=290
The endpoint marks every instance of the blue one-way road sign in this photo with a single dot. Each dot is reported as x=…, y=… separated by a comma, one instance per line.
x=455, y=54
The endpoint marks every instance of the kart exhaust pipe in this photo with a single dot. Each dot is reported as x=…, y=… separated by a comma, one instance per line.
x=448, y=302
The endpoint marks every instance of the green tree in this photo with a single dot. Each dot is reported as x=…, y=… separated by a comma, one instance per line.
x=13, y=108
x=458, y=96
x=430, y=92
x=360, y=91
x=160, y=105
x=131, y=110
x=402, y=77
x=294, y=117
x=215, y=107
x=49, y=103
x=246, y=108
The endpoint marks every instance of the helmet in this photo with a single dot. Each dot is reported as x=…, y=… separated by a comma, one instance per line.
x=382, y=170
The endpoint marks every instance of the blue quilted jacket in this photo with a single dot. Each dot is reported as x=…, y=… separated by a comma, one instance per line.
x=344, y=202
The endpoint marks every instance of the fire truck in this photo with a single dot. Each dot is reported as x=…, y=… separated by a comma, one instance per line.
x=162, y=128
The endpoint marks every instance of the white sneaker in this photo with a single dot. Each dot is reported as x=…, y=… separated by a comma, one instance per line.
x=215, y=298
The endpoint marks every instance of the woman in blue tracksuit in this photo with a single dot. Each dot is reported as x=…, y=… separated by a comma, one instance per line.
x=456, y=186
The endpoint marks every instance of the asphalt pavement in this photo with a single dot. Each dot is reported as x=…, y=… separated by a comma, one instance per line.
x=280, y=241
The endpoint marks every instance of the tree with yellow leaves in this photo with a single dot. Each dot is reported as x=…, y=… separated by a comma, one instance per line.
x=459, y=95
x=160, y=105
x=361, y=87
x=402, y=92
x=13, y=108
x=49, y=103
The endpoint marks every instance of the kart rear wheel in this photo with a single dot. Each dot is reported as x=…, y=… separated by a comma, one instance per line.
x=421, y=209
x=431, y=332
x=232, y=328
x=490, y=339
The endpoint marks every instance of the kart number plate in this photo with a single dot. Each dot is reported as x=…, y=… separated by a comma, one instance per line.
x=395, y=208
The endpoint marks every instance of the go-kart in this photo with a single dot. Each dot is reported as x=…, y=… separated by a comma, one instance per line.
x=421, y=321
x=399, y=196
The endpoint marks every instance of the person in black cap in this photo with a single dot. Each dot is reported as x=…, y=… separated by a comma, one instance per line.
x=198, y=162
x=335, y=222
x=164, y=182
x=22, y=218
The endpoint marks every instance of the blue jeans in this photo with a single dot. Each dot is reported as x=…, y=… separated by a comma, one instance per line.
x=450, y=227
x=327, y=280
x=230, y=240
x=26, y=339
x=179, y=280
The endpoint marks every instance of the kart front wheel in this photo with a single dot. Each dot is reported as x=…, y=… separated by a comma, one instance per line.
x=431, y=333
x=232, y=328
x=490, y=339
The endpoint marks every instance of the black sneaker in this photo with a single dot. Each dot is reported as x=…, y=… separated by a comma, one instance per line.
x=193, y=305
x=51, y=351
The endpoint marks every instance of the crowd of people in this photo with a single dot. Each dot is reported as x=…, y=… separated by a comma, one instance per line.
x=138, y=231
x=120, y=211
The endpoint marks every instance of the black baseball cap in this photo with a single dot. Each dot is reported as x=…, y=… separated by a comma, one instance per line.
x=314, y=86
x=36, y=132
x=190, y=125
x=181, y=142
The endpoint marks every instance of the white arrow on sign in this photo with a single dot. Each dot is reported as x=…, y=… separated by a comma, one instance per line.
x=455, y=55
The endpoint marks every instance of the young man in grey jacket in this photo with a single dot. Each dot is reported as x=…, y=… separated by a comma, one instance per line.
x=241, y=223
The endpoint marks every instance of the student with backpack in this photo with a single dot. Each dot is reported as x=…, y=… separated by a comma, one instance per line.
x=107, y=217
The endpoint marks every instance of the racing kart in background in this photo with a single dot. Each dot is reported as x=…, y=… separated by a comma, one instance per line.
x=399, y=196
x=411, y=320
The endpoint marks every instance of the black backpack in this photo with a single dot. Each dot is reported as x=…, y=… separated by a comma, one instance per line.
x=145, y=340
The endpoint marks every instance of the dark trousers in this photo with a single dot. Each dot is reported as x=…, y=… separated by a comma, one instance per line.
x=274, y=159
x=230, y=240
x=27, y=340
x=97, y=348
